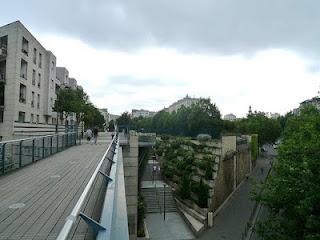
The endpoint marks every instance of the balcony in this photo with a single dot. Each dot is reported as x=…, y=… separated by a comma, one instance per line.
x=25, y=51
x=22, y=99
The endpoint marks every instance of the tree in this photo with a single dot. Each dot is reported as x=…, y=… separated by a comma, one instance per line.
x=77, y=101
x=292, y=192
x=268, y=130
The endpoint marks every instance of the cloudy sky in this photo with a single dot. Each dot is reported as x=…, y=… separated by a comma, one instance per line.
x=149, y=53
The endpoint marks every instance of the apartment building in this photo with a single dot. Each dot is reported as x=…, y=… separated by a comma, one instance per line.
x=28, y=82
x=230, y=117
x=186, y=102
x=135, y=113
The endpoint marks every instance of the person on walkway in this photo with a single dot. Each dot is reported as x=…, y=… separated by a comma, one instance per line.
x=88, y=135
x=95, y=135
x=261, y=170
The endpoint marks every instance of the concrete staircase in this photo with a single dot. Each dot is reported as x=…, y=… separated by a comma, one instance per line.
x=154, y=199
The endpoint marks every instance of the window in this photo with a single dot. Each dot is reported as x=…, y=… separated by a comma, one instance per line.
x=2, y=89
x=37, y=118
x=23, y=69
x=31, y=118
x=1, y=115
x=40, y=60
x=35, y=56
x=22, y=93
x=39, y=79
x=33, y=77
x=25, y=46
x=38, y=103
x=52, y=66
x=21, y=117
x=32, y=99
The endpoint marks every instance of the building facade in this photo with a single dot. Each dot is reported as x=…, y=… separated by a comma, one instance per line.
x=230, y=117
x=135, y=113
x=186, y=102
x=28, y=82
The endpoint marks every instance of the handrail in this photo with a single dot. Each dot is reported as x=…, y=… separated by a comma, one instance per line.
x=31, y=138
x=70, y=220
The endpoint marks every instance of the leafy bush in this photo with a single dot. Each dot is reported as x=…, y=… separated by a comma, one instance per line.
x=203, y=194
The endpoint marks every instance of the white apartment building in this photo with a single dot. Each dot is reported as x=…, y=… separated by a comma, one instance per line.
x=135, y=113
x=186, y=102
x=28, y=82
x=230, y=117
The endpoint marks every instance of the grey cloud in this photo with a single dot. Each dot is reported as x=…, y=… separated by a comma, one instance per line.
x=227, y=27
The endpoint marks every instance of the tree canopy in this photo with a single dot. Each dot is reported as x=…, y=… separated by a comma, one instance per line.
x=203, y=117
x=77, y=101
x=292, y=191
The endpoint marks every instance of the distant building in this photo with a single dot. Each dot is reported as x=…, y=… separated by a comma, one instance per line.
x=274, y=115
x=313, y=101
x=186, y=102
x=72, y=83
x=142, y=113
x=230, y=117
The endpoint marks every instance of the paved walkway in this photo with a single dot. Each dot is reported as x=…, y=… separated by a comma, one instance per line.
x=173, y=228
x=170, y=229
x=36, y=199
x=231, y=220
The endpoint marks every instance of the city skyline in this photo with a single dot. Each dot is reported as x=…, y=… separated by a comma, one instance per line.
x=235, y=63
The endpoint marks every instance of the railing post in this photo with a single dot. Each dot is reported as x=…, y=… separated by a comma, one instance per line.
x=51, y=145
x=3, y=157
x=32, y=150
x=57, y=143
x=42, y=147
x=20, y=154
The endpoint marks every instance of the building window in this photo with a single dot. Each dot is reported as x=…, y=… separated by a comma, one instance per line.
x=22, y=93
x=2, y=89
x=21, y=117
x=32, y=99
x=40, y=60
x=38, y=103
x=52, y=66
x=31, y=118
x=33, y=77
x=37, y=118
x=35, y=56
x=23, y=69
x=25, y=46
x=39, y=79
x=1, y=115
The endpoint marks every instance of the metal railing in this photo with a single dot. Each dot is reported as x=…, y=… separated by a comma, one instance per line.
x=113, y=213
x=18, y=153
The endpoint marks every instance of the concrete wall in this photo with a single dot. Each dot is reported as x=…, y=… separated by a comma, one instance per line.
x=130, y=164
x=243, y=162
x=234, y=165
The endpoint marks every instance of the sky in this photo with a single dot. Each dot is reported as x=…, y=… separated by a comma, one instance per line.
x=147, y=54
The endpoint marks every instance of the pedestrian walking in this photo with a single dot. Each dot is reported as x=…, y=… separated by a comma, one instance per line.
x=261, y=170
x=88, y=135
x=95, y=135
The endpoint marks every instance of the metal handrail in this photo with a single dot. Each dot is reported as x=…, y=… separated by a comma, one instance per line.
x=70, y=220
x=31, y=138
